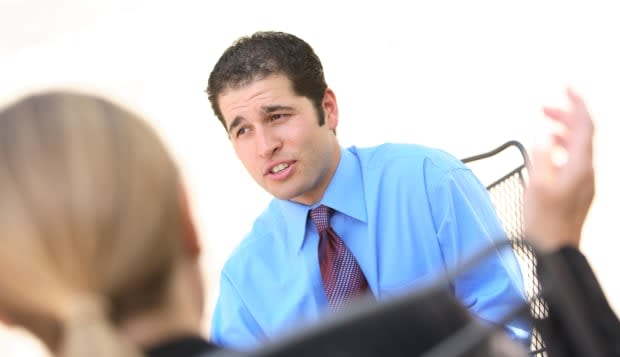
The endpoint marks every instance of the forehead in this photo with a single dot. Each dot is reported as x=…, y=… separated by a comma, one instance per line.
x=265, y=90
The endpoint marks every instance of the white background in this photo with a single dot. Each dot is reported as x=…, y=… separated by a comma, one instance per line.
x=463, y=76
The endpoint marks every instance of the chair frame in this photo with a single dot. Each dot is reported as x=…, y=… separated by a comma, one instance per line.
x=499, y=149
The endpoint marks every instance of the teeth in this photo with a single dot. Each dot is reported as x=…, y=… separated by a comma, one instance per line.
x=279, y=168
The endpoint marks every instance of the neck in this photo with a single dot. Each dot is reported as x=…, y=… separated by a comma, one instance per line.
x=312, y=197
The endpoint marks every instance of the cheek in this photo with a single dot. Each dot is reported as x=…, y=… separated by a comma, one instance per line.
x=300, y=138
x=251, y=163
x=245, y=155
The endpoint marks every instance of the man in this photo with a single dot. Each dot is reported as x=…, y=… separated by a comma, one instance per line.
x=343, y=222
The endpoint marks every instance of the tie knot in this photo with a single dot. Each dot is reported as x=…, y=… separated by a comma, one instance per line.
x=320, y=216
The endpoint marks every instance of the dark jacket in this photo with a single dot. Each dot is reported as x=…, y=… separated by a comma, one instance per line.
x=580, y=321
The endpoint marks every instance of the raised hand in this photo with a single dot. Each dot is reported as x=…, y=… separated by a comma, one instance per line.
x=560, y=191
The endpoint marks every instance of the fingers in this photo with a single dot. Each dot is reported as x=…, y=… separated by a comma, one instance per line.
x=583, y=126
x=575, y=99
x=575, y=113
x=556, y=113
x=579, y=110
x=576, y=125
x=566, y=118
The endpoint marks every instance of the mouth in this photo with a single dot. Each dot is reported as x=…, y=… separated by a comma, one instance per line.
x=279, y=167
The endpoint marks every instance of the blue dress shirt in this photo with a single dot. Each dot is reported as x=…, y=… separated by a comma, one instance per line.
x=406, y=212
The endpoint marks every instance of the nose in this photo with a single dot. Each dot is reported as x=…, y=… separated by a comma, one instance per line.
x=267, y=143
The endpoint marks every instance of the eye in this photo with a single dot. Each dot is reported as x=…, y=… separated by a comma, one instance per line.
x=242, y=131
x=278, y=117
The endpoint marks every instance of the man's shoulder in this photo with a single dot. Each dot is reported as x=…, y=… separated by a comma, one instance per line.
x=405, y=155
x=259, y=241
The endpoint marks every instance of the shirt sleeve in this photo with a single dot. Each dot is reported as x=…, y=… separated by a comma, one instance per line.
x=580, y=316
x=233, y=325
x=466, y=222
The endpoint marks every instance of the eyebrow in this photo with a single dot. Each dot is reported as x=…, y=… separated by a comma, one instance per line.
x=267, y=109
x=274, y=108
x=235, y=123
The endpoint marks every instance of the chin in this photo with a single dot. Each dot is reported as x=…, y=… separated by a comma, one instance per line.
x=282, y=196
x=287, y=191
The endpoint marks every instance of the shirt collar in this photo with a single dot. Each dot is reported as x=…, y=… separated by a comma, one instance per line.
x=345, y=194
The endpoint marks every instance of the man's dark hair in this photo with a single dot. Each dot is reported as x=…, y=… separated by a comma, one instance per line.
x=262, y=54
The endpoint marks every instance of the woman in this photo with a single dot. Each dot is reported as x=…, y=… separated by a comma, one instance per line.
x=99, y=255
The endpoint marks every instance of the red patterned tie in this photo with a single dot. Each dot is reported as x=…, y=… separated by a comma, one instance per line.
x=342, y=277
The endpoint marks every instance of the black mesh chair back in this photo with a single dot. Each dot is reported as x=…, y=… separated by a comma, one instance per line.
x=504, y=172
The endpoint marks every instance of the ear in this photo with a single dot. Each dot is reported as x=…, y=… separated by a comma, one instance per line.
x=190, y=237
x=5, y=320
x=330, y=108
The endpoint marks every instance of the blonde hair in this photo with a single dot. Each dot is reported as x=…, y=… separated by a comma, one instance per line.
x=90, y=220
